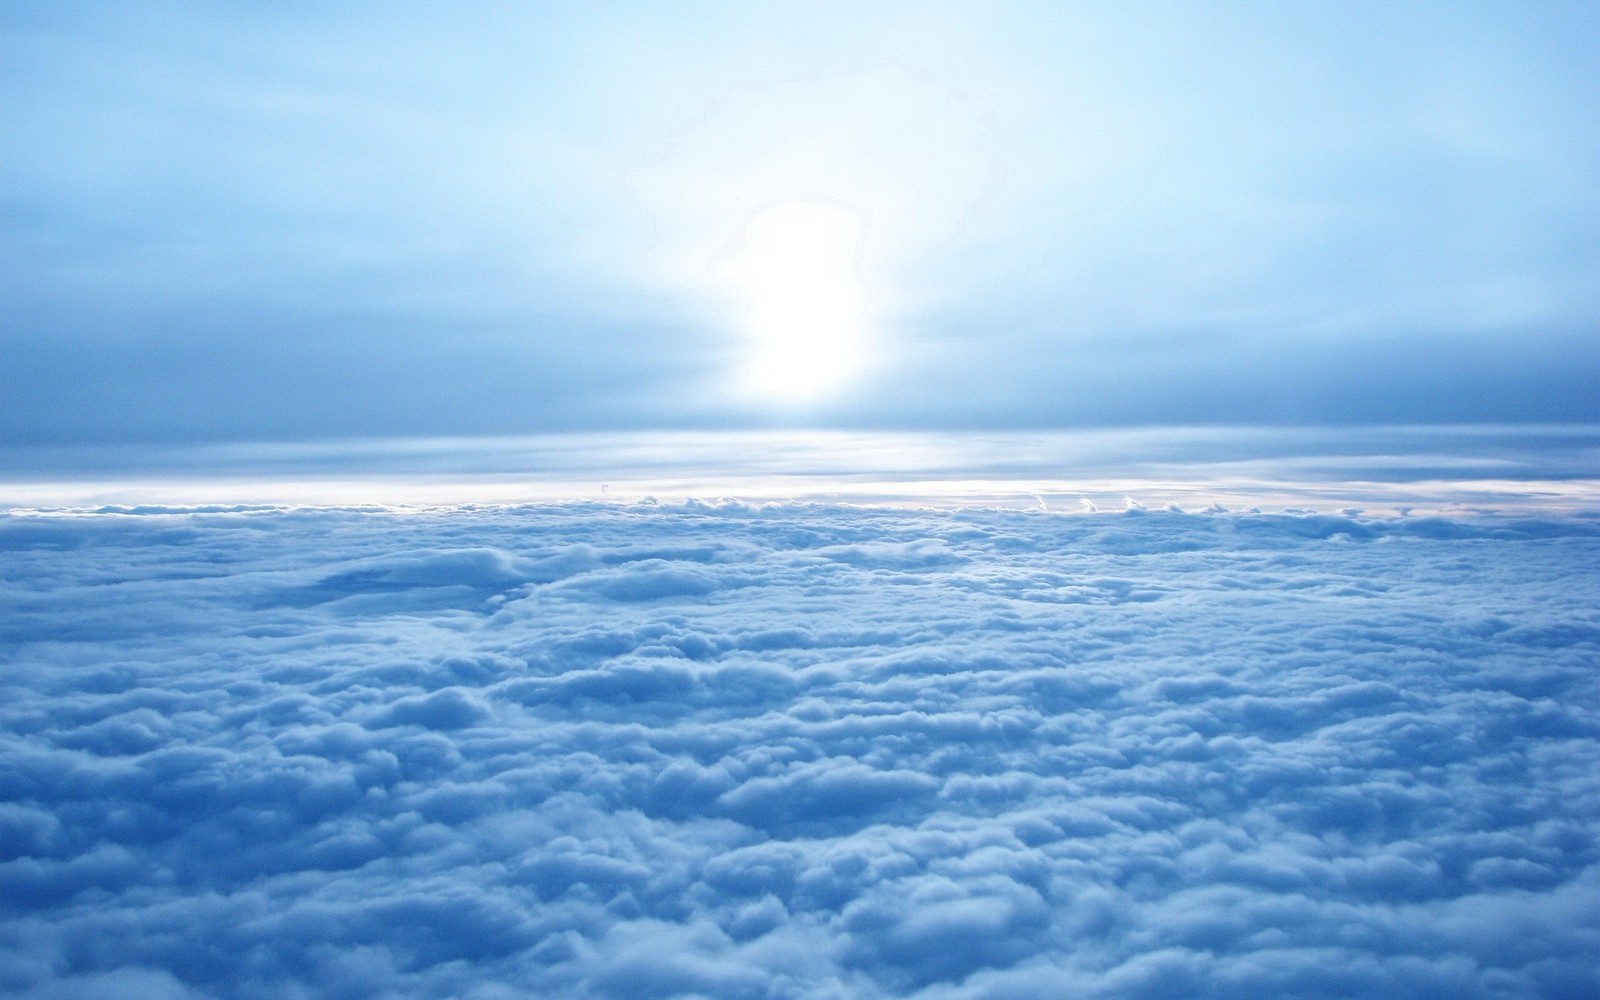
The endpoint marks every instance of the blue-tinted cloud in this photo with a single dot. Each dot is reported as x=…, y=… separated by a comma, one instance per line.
x=797, y=751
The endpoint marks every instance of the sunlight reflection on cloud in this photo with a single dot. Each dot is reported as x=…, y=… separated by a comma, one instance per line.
x=1382, y=468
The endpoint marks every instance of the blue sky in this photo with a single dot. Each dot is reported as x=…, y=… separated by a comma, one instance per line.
x=290, y=221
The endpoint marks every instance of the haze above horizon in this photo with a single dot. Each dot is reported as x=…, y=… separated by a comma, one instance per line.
x=307, y=222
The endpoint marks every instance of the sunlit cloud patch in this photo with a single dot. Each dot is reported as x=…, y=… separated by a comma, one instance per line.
x=795, y=750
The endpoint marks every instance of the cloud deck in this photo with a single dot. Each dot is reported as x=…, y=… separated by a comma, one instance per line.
x=798, y=751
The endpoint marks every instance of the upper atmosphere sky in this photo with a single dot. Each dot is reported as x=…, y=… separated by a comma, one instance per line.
x=298, y=221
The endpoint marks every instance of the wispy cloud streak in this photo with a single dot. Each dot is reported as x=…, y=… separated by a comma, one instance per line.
x=1388, y=468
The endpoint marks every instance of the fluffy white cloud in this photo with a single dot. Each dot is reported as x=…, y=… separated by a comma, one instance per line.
x=797, y=751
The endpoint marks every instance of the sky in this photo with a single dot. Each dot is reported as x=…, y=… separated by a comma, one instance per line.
x=299, y=222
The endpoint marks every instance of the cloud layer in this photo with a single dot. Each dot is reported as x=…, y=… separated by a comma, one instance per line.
x=797, y=751
x=1439, y=469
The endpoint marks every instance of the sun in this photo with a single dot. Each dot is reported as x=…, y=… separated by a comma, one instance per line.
x=798, y=271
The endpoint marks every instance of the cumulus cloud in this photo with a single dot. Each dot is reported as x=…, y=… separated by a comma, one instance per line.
x=797, y=751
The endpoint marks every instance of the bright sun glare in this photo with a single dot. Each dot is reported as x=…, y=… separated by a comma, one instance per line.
x=799, y=272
